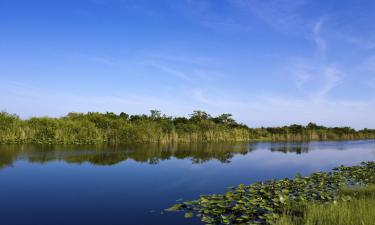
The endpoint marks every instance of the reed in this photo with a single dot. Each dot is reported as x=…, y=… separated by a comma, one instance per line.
x=93, y=128
x=357, y=211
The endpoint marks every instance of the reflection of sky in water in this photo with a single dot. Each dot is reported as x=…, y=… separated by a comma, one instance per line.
x=64, y=186
x=314, y=160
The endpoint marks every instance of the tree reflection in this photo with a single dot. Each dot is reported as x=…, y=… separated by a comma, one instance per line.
x=113, y=154
x=141, y=153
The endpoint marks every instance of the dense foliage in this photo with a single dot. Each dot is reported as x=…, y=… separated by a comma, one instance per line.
x=265, y=202
x=94, y=127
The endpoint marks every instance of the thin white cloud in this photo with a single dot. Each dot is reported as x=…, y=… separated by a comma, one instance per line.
x=331, y=80
x=362, y=42
x=316, y=81
x=319, y=41
x=170, y=70
x=280, y=14
x=189, y=60
x=203, y=12
x=197, y=70
x=302, y=77
x=103, y=60
x=219, y=101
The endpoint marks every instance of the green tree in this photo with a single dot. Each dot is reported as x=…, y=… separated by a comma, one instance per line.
x=225, y=118
x=155, y=114
x=199, y=115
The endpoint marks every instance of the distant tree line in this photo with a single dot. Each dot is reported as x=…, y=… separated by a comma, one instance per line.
x=95, y=127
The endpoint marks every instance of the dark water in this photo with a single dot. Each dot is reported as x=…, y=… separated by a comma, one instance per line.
x=133, y=184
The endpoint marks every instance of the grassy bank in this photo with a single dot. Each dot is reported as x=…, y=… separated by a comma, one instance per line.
x=92, y=128
x=321, y=198
x=359, y=210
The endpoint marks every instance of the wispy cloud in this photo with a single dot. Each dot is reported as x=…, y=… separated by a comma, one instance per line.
x=316, y=81
x=103, y=60
x=362, y=42
x=319, y=41
x=332, y=78
x=195, y=69
x=282, y=15
x=177, y=58
x=224, y=102
x=203, y=12
x=171, y=71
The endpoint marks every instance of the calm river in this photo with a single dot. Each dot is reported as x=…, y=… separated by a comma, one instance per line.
x=122, y=185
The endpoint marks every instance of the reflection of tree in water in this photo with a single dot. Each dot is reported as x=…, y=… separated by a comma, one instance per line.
x=286, y=147
x=6, y=158
x=109, y=155
x=297, y=150
x=148, y=153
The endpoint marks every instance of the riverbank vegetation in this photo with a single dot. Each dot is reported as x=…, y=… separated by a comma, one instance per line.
x=358, y=211
x=94, y=127
x=319, y=199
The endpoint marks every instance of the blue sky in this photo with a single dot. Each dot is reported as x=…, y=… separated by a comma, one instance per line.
x=268, y=63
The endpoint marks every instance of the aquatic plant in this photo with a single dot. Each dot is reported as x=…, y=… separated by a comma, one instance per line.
x=265, y=202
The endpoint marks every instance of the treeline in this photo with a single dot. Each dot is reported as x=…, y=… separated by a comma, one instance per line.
x=94, y=127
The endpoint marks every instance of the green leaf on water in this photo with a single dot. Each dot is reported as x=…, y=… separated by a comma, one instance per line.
x=189, y=215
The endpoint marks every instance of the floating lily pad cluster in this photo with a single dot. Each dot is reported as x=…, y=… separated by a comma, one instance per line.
x=264, y=202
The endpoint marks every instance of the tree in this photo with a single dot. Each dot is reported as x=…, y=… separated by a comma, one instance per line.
x=7, y=120
x=155, y=114
x=225, y=118
x=198, y=115
x=124, y=116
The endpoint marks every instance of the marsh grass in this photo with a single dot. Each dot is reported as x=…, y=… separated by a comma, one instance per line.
x=359, y=192
x=360, y=210
x=99, y=128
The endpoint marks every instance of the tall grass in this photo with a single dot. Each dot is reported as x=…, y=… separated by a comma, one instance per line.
x=360, y=210
x=92, y=127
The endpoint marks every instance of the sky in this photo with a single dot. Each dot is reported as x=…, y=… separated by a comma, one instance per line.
x=267, y=62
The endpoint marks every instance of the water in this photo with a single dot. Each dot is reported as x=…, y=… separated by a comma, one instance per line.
x=64, y=185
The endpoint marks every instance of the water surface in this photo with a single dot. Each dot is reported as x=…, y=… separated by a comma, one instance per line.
x=133, y=184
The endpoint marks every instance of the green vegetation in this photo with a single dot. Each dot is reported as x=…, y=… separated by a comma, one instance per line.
x=358, y=211
x=301, y=197
x=93, y=127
